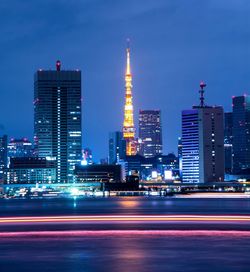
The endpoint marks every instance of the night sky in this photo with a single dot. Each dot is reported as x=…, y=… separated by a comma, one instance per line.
x=174, y=45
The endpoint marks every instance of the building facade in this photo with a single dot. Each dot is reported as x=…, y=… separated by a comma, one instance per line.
x=241, y=133
x=203, y=143
x=150, y=133
x=153, y=168
x=30, y=171
x=57, y=124
x=18, y=148
x=117, y=147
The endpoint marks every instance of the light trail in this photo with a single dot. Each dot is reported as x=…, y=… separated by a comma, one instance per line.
x=125, y=219
x=106, y=233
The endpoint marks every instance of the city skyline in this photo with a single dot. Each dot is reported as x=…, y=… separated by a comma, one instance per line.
x=161, y=61
x=125, y=135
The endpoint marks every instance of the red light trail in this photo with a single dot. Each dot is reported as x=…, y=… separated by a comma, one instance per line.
x=97, y=233
x=126, y=219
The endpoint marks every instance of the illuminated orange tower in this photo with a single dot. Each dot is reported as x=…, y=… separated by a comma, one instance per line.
x=128, y=123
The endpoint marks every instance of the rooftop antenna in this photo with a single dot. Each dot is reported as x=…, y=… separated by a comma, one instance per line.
x=201, y=91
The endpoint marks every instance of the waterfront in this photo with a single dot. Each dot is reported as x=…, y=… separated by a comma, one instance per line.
x=125, y=246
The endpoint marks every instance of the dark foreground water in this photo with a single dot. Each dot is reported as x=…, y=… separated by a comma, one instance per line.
x=186, y=249
x=128, y=252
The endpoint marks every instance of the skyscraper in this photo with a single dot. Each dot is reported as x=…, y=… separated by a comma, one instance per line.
x=117, y=147
x=150, y=133
x=202, y=143
x=241, y=133
x=228, y=141
x=57, y=124
x=128, y=123
x=3, y=154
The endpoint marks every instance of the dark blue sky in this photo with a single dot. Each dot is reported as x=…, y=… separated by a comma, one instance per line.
x=174, y=45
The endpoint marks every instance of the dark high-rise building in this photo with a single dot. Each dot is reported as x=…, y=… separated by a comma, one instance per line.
x=150, y=133
x=98, y=173
x=117, y=147
x=20, y=148
x=202, y=143
x=57, y=124
x=228, y=141
x=180, y=155
x=241, y=133
x=3, y=154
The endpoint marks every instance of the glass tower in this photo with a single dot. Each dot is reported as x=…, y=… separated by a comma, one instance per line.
x=203, y=142
x=150, y=133
x=57, y=122
x=241, y=133
x=190, y=146
x=117, y=147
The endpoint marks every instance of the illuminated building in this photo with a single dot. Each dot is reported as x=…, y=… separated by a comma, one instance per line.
x=117, y=147
x=152, y=167
x=241, y=133
x=30, y=171
x=57, y=124
x=150, y=133
x=128, y=123
x=203, y=143
x=3, y=154
x=20, y=148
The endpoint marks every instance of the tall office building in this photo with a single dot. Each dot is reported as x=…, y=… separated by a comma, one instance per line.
x=241, y=133
x=3, y=154
x=128, y=122
x=202, y=143
x=150, y=133
x=117, y=147
x=57, y=124
x=228, y=141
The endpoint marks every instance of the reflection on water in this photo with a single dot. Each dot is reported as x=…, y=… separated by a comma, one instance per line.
x=123, y=205
x=129, y=203
x=169, y=251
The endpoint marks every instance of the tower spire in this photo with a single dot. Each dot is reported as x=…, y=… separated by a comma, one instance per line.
x=128, y=123
x=128, y=58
